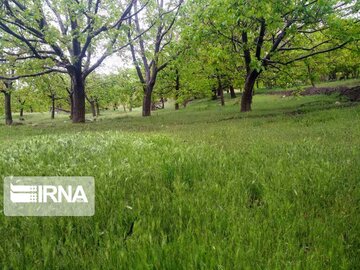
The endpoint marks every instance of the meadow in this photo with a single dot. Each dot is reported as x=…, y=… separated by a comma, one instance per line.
x=201, y=188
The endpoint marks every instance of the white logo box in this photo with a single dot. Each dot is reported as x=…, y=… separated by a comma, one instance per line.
x=49, y=196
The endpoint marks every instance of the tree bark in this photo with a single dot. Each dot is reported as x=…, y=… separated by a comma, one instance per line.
x=247, y=95
x=222, y=97
x=214, y=95
x=232, y=92
x=22, y=103
x=78, y=98
x=8, y=113
x=220, y=91
x=52, y=106
x=97, y=107
x=146, y=110
x=130, y=103
x=177, y=89
x=93, y=109
x=71, y=102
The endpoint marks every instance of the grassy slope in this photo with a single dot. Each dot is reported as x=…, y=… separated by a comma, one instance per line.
x=206, y=188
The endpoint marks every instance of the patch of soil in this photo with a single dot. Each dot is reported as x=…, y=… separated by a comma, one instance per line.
x=353, y=94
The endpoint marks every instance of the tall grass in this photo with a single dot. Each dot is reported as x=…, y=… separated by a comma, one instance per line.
x=275, y=189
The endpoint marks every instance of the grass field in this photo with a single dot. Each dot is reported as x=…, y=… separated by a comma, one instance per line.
x=203, y=188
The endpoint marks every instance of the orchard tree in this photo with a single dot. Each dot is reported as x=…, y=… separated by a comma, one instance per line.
x=13, y=66
x=51, y=87
x=270, y=34
x=76, y=36
x=127, y=88
x=149, y=51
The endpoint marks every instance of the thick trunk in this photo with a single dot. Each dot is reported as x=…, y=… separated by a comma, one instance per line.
x=247, y=95
x=147, y=104
x=21, y=113
x=177, y=106
x=232, y=92
x=31, y=109
x=8, y=114
x=78, y=114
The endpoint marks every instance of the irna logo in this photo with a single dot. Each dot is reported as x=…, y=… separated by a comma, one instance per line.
x=49, y=196
x=47, y=193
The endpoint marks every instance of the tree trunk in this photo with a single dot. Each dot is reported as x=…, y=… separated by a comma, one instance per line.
x=71, y=103
x=222, y=97
x=247, y=95
x=214, y=96
x=8, y=114
x=52, y=106
x=78, y=115
x=232, y=92
x=31, y=109
x=220, y=91
x=153, y=106
x=92, y=105
x=131, y=103
x=22, y=103
x=97, y=107
x=333, y=75
x=177, y=89
x=146, y=110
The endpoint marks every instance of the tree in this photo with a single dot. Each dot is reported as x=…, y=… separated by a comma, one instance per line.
x=52, y=87
x=77, y=36
x=148, y=52
x=279, y=33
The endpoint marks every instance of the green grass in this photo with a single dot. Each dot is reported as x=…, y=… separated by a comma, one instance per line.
x=205, y=187
x=346, y=83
